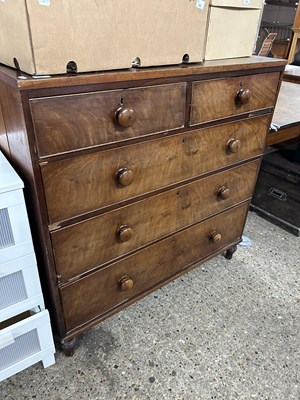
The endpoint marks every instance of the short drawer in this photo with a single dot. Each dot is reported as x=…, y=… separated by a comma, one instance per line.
x=15, y=236
x=20, y=288
x=113, y=286
x=92, y=181
x=220, y=98
x=83, y=246
x=25, y=343
x=73, y=122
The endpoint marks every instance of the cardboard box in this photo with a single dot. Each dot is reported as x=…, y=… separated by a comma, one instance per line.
x=232, y=28
x=43, y=36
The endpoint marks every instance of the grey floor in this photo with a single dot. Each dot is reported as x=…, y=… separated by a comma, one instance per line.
x=227, y=330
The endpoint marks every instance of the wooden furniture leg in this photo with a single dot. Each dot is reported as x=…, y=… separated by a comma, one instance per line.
x=68, y=346
x=229, y=253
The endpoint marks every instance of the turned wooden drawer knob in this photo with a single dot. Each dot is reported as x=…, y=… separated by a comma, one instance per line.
x=215, y=237
x=243, y=96
x=124, y=176
x=233, y=145
x=224, y=192
x=124, y=233
x=125, y=283
x=125, y=116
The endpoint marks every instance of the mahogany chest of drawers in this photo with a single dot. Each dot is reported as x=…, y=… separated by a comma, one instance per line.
x=134, y=177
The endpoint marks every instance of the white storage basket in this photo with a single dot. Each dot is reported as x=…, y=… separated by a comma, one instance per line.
x=20, y=288
x=24, y=338
x=15, y=236
x=25, y=343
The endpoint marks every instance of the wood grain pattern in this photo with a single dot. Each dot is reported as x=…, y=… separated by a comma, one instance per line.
x=72, y=178
x=3, y=134
x=283, y=135
x=216, y=98
x=287, y=110
x=147, y=268
x=14, y=141
x=292, y=76
x=286, y=115
x=245, y=64
x=85, y=183
x=19, y=154
x=86, y=245
x=66, y=123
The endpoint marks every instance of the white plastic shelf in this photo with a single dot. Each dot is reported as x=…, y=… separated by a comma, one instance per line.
x=20, y=288
x=25, y=339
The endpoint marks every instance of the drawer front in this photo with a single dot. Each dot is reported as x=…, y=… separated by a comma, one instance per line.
x=15, y=235
x=122, y=281
x=219, y=98
x=66, y=123
x=278, y=196
x=84, y=183
x=86, y=245
x=25, y=343
x=20, y=288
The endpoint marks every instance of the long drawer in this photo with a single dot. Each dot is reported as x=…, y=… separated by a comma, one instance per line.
x=81, y=184
x=220, y=98
x=80, y=247
x=128, y=278
x=72, y=122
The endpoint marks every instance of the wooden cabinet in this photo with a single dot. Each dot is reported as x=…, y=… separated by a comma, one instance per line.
x=134, y=177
